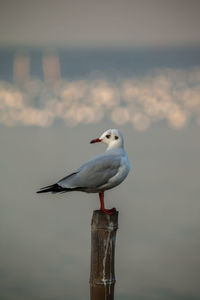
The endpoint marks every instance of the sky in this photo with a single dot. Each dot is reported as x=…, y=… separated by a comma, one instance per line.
x=69, y=70
x=87, y=23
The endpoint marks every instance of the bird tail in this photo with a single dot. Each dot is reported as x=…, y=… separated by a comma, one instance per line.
x=54, y=188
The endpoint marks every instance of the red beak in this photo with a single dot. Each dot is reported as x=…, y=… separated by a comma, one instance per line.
x=95, y=141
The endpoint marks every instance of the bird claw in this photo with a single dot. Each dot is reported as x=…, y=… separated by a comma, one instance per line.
x=110, y=212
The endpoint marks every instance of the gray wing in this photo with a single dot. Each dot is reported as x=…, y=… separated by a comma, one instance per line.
x=94, y=173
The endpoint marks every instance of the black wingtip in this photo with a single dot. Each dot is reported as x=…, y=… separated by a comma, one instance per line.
x=54, y=188
x=41, y=191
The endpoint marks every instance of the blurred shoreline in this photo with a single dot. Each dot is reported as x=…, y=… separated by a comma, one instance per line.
x=141, y=87
x=80, y=62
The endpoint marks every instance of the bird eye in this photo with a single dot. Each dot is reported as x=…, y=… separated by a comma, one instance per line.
x=108, y=136
x=116, y=137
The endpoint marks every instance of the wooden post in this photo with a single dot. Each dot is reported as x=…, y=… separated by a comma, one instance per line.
x=102, y=274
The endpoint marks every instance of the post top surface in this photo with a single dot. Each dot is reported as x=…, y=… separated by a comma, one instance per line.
x=105, y=221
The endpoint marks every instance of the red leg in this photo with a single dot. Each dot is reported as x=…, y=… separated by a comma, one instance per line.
x=106, y=211
x=101, y=198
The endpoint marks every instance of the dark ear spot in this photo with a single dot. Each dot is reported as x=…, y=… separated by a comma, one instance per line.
x=116, y=137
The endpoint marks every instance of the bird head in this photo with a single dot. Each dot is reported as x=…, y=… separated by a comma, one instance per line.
x=112, y=138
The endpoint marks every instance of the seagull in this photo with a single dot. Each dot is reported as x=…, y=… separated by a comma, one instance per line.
x=99, y=174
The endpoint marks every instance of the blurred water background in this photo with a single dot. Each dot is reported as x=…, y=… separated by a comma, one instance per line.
x=53, y=101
